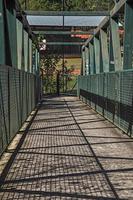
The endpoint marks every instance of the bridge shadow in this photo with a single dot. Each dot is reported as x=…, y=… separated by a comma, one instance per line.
x=61, y=161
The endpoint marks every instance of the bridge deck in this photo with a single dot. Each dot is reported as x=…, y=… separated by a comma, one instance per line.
x=70, y=152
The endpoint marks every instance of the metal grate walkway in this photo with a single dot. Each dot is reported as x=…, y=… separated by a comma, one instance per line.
x=71, y=152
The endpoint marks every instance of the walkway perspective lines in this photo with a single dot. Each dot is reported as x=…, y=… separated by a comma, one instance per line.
x=70, y=152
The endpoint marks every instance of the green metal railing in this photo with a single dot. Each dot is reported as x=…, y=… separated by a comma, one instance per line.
x=19, y=93
x=19, y=71
x=106, y=81
x=111, y=95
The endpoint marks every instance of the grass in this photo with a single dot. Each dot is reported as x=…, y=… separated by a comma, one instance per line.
x=76, y=62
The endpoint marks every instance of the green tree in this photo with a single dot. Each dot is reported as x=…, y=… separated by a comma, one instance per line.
x=56, y=5
x=49, y=64
x=41, y=4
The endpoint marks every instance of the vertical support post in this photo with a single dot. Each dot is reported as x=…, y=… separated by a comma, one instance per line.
x=2, y=34
x=19, y=43
x=38, y=64
x=23, y=60
x=104, y=50
x=87, y=60
x=111, y=55
x=116, y=45
x=12, y=32
x=92, y=63
x=128, y=38
x=30, y=55
x=36, y=69
x=97, y=54
x=34, y=60
x=26, y=51
x=83, y=62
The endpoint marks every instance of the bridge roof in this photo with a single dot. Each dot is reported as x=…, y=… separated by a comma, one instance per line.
x=74, y=21
x=65, y=18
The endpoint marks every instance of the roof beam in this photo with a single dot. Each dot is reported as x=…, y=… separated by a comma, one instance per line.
x=64, y=43
x=67, y=13
x=63, y=32
x=102, y=25
x=118, y=7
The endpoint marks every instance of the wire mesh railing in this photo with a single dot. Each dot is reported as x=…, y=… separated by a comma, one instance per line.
x=110, y=94
x=19, y=93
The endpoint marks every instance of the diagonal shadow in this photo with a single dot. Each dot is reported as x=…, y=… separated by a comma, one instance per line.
x=59, y=194
x=71, y=124
x=32, y=179
x=95, y=156
x=56, y=177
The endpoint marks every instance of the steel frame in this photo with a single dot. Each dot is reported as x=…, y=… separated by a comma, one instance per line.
x=16, y=38
x=106, y=42
x=67, y=13
x=20, y=85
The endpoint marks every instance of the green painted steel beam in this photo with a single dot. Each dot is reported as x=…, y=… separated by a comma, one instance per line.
x=26, y=51
x=62, y=32
x=97, y=54
x=67, y=13
x=87, y=60
x=116, y=45
x=65, y=43
x=12, y=32
x=118, y=7
x=92, y=62
x=104, y=50
x=23, y=60
x=30, y=55
x=128, y=38
x=111, y=55
x=83, y=62
x=2, y=36
x=19, y=43
x=38, y=64
x=102, y=25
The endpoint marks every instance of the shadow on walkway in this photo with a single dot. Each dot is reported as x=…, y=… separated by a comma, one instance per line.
x=70, y=152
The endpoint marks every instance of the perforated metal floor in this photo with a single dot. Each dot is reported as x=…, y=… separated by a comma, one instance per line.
x=71, y=152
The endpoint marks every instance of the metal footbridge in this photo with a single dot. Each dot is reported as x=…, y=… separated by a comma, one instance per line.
x=65, y=146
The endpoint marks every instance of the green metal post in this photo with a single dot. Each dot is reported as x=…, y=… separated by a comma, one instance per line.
x=36, y=68
x=12, y=31
x=92, y=63
x=83, y=61
x=19, y=43
x=128, y=38
x=104, y=50
x=23, y=60
x=116, y=44
x=87, y=60
x=30, y=55
x=2, y=38
x=111, y=55
x=26, y=51
x=97, y=54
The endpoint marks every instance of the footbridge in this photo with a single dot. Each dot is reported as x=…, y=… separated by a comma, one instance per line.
x=62, y=145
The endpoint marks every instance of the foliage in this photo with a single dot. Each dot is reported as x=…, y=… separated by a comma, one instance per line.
x=49, y=64
x=50, y=61
x=56, y=5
